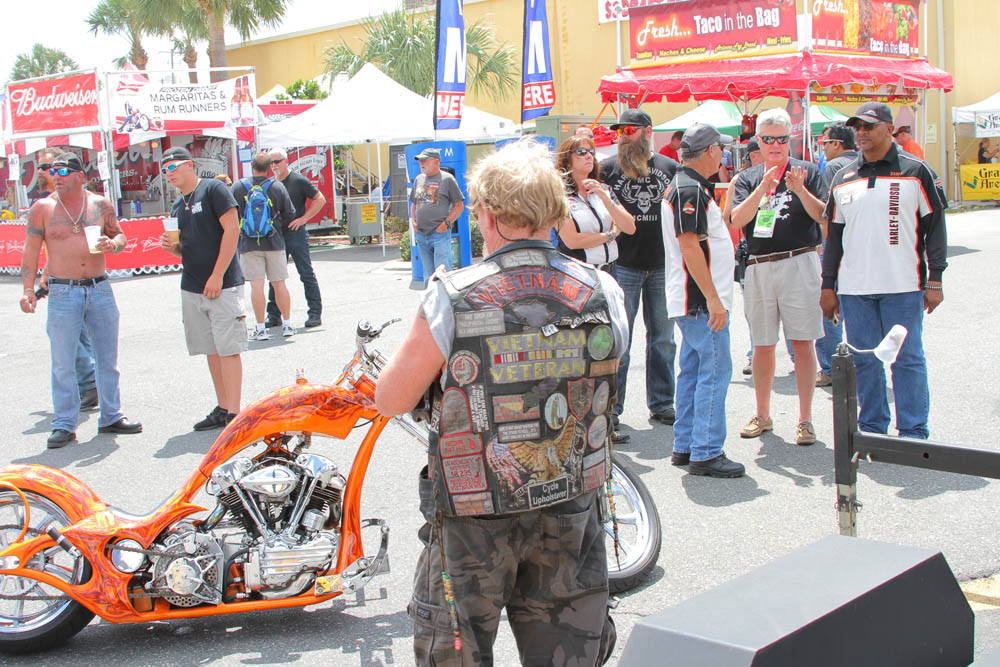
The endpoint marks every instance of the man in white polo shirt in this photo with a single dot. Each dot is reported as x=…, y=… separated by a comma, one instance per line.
x=886, y=251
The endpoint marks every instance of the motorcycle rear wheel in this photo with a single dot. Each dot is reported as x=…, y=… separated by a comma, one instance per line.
x=27, y=626
x=639, y=532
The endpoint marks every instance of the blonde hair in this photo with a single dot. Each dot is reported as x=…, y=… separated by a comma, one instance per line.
x=520, y=186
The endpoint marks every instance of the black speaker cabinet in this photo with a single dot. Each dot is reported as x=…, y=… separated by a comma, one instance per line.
x=842, y=601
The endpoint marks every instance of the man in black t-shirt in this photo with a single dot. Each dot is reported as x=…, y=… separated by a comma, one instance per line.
x=211, y=279
x=302, y=192
x=639, y=178
x=778, y=206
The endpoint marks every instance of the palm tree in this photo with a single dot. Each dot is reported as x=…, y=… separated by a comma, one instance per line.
x=40, y=61
x=121, y=17
x=402, y=45
x=247, y=16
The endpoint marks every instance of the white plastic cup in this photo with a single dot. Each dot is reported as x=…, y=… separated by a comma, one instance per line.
x=170, y=228
x=93, y=233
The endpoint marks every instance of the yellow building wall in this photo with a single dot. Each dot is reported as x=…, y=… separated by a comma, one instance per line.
x=583, y=50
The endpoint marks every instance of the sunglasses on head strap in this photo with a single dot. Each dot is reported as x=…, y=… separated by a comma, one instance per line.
x=61, y=171
x=767, y=139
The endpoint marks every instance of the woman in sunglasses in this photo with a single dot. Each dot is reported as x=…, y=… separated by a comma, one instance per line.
x=596, y=217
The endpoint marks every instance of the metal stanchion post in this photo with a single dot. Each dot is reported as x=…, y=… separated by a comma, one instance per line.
x=845, y=424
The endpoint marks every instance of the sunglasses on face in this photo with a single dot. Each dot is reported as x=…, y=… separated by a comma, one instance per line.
x=62, y=171
x=768, y=139
x=44, y=167
x=867, y=127
x=627, y=130
x=823, y=142
x=277, y=160
x=172, y=167
x=584, y=151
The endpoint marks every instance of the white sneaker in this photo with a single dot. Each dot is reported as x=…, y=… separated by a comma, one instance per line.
x=260, y=334
x=287, y=330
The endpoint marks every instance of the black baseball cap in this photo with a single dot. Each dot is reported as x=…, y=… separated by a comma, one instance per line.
x=71, y=160
x=699, y=136
x=636, y=117
x=871, y=112
x=175, y=154
x=429, y=153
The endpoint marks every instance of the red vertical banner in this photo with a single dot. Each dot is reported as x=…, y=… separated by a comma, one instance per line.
x=797, y=112
x=314, y=163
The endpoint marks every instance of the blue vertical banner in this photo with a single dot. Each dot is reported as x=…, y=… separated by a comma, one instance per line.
x=449, y=83
x=538, y=92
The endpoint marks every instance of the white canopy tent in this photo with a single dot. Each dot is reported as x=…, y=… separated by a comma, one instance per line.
x=372, y=108
x=967, y=114
x=964, y=125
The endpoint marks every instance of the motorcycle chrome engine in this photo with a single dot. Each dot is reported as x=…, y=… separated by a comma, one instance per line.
x=189, y=571
x=282, y=569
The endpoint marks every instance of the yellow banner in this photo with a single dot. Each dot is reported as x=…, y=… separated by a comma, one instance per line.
x=980, y=181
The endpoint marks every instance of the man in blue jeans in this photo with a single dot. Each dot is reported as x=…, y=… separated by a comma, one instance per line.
x=437, y=202
x=80, y=295
x=639, y=178
x=301, y=191
x=699, y=297
x=886, y=252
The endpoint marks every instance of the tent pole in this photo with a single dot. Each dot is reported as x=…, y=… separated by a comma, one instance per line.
x=807, y=127
x=381, y=216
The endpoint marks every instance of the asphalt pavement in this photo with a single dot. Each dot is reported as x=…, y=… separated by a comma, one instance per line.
x=714, y=530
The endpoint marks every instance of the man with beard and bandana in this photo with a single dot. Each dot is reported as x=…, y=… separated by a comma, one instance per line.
x=639, y=178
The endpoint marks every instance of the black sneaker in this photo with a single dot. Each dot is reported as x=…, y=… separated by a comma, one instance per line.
x=680, y=458
x=88, y=398
x=313, y=321
x=666, y=417
x=60, y=438
x=214, y=419
x=720, y=466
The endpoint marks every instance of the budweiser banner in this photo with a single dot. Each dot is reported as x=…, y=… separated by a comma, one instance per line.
x=279, y=111
x=870, y=27
x=450, y=62
x=138, y=106
x=689, y=30
x=60, y=105
x=538, y=91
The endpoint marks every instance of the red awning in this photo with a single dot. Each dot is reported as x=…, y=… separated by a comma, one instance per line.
x=756, y=77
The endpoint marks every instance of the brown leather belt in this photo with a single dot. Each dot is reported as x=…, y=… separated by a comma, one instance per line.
x=776, y=256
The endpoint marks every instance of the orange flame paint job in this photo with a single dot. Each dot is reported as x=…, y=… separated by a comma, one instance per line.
x=302, y=407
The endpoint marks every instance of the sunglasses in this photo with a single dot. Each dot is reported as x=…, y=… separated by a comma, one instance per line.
x=61, y=171
x=867, y=127
x=44, y=167
x=767, y=139
x=823, y=142
x=584, y=151
x=627, y=130
x=278, y=161
x=172, y=167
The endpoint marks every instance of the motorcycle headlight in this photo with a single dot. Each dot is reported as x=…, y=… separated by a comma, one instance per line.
x=127, y=561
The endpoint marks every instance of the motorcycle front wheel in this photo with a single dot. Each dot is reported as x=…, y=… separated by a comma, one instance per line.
x=28, y=622
x=639, y=534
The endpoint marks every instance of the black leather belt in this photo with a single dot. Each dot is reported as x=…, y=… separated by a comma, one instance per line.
x=82, y=282
x=609, y=267
x=776, y=256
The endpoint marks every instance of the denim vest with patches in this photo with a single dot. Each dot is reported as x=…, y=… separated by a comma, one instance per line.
x=523, y=420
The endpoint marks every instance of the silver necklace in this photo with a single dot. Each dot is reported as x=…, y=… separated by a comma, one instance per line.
x=76, y=223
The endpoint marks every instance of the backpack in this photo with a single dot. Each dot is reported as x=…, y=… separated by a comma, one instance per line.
x=258, y=219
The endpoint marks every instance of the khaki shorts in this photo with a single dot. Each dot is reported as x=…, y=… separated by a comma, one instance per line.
x=785, y=292
x=260, y=264
x=215, y=326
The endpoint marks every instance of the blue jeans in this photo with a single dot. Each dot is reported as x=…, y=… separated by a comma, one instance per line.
x=867, y=320
x=826, y=346
x=71, y=311
x=660, y=347
x=435, y=249
x=297, y=247
x=85, y=376
x=705, y=369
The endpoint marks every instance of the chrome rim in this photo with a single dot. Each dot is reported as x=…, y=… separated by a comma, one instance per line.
x=17, y=616
x=634, y=524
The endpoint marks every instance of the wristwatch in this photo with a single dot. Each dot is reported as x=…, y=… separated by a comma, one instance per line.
x=610, y=235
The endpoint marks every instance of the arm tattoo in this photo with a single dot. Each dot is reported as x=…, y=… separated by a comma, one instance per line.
x=35, y=231
x=106, y=211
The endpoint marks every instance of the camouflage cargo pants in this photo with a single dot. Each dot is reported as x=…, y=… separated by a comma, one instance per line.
x=547, y=567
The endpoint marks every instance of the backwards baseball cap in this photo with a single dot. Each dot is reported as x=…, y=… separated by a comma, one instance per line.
x=870, y=112
x=429, y=153
x=699, y=136
x=901, y=129
x=175, y=154
x=636, y=117
x=70, y=160
x=752, y=145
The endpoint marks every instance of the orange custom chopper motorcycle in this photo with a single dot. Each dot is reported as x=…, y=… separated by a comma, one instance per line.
x=285, y=532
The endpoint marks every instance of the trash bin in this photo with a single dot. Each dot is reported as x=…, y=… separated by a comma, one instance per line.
x=363, y=219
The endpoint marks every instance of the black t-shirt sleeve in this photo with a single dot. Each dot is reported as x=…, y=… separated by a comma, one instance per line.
x=744, y=186
x=690, y=211
x=286, y=210
x=308, y=189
